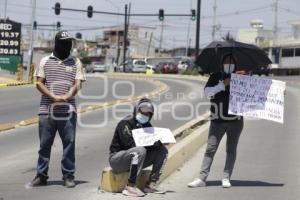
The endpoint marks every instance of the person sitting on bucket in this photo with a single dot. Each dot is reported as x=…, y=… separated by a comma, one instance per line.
x=125, y=156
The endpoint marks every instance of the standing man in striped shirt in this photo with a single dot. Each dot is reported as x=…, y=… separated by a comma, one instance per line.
x=59, y=77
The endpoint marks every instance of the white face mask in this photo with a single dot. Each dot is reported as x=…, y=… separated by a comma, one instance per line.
x=228, y=68
x=142, y=119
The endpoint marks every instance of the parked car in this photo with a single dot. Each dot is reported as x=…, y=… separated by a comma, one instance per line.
x=183, y=65
x=168, y=67
x=133, y=66
x=138, y=66
x=154, y=68
x=96, y=67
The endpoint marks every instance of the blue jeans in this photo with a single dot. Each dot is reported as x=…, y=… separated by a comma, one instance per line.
x=65, y=124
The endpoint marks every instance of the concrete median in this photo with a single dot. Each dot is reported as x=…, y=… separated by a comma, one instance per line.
x=5, y=127
x=161, y=88
x=29, y=121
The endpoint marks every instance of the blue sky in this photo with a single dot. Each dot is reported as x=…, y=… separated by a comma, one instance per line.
x=232, y=15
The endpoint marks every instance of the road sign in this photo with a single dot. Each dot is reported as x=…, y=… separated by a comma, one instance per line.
x=10, y=37
x=9, y=62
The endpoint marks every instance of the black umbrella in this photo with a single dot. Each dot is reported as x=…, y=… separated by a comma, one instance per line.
x=247, y=57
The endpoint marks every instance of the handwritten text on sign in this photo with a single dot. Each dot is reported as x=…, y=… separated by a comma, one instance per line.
x=257, y=97
x=148, y=136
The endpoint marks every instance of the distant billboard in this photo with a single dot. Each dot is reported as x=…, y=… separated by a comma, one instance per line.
x=10, y=37
x=10, y=43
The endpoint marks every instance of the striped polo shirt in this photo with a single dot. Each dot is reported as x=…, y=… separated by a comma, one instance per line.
x=60, y=76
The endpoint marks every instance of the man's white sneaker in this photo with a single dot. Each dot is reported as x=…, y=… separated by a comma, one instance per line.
x=197, y=183
x=226, y=183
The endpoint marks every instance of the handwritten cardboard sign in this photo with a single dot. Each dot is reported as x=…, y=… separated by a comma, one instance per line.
x=148, y=136
x=257, y=97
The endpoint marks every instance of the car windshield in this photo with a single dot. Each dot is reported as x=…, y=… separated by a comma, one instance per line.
x=140, y=62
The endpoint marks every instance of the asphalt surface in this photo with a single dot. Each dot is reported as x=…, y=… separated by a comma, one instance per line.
x=18, y=147
x=267, y=166
x=18, y=103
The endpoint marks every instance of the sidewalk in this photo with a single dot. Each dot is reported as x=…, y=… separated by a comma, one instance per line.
x=4, y=80
x=6, y=77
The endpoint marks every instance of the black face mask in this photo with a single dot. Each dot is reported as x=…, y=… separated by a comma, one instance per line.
x=62, y=48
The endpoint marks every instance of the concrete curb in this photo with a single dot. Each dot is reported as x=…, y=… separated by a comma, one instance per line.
x=30, y=121
x=3, y=85
x=5, y=127
x=189, y=77
x=184, y=150
x=161, y=88
x=191, y=124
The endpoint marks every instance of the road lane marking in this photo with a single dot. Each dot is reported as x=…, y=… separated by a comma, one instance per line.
x=161, y=88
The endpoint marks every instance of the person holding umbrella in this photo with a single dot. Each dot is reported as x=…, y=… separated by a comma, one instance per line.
x=217, y=89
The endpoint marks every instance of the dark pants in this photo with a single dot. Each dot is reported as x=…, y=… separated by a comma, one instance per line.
x=65, y=124
x=217, y=130
x=139, y=157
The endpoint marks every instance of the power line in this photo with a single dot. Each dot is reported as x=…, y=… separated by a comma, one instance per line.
x=289, y=10
x=63, y=18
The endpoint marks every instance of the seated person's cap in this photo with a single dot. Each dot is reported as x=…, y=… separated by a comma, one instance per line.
x=63, y=35
x=146, y=107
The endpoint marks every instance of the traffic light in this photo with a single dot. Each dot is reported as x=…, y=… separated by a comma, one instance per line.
x=34, y=25
x=90, y=11
x=58, y=25
x=161, y=15
x=193, y=18
x=57, y=8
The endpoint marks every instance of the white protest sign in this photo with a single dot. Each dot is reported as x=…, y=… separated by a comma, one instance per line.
x=148, y=136
x=257, y=97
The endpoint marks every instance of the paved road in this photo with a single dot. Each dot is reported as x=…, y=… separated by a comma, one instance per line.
x=18, y=148
x=267, y=167
x=18, y=103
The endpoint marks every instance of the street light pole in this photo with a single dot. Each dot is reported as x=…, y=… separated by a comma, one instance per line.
x=161, y=37
x=198, y=28
x=214, y=21
x=30, y=50
x=188, y=34
x=275, y=29
x=125, y=37
x=5, y=9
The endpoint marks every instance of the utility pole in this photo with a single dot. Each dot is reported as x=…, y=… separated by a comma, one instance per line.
x=30, y=50
x=198, y=28
x=161, y=37
x=118, y=47
x=5, y=9
x=214, y=21
x=149, y=45
x=275, y=30
x=128, y=15
x=125, y=37
x=188, y=34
